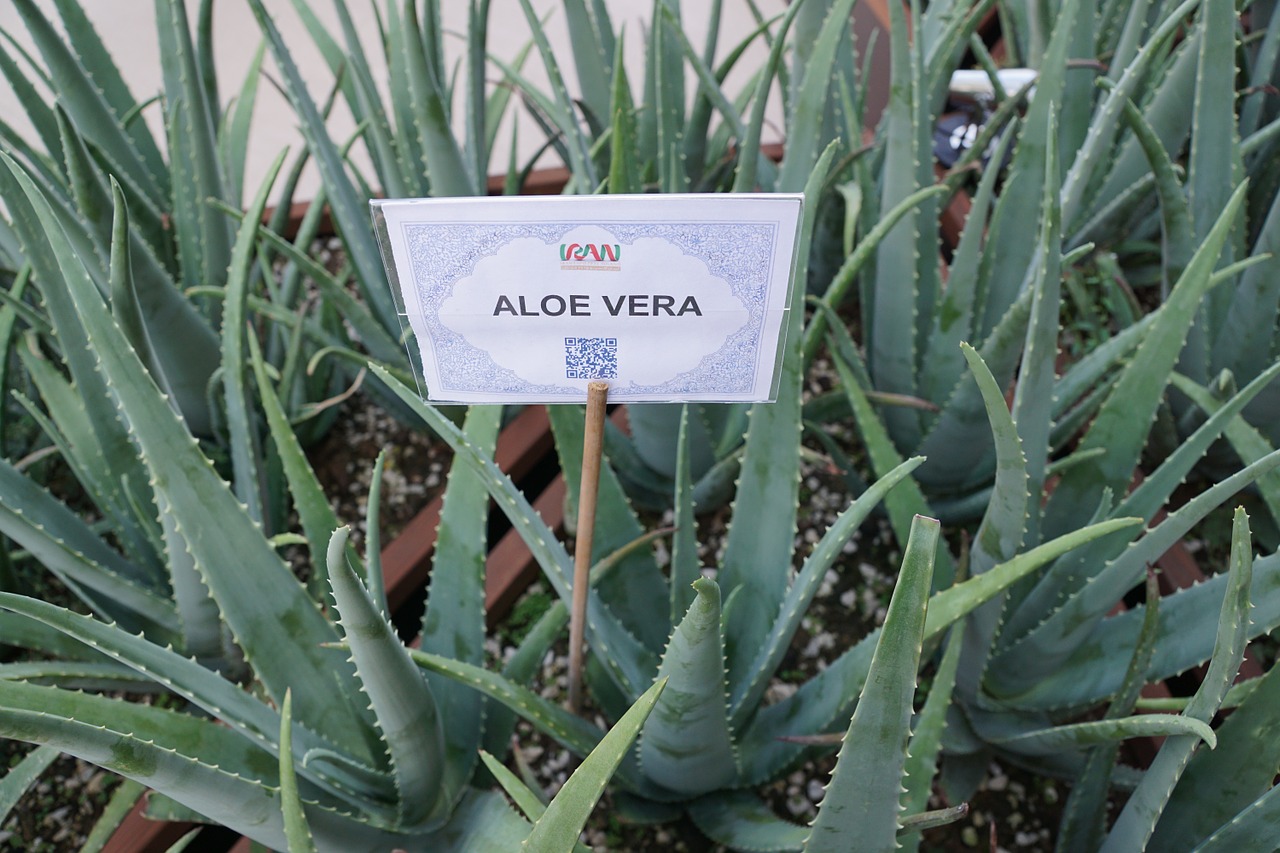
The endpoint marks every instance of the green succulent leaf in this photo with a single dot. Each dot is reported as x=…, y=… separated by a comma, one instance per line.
x=1137, y=821
x=280, y=631
x=559, y=826
x=454, y=621
x=23, y=775
x=686, y=744
x=861, y=804
x=402, y=702
x=296, y=829
x=742, y=821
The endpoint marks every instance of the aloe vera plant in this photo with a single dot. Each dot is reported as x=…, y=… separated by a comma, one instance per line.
x=1050, y=651
x=714, y=737
x=92, y=136
x=341, y=738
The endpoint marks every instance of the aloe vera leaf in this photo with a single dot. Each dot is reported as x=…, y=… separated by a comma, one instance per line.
x=314, y=511
x=453, y=624
x=742, y=821
x=569, y=730
x=963, y=421
x=1016, y=219
x=202, y=628
x=483, y=116
x=901, y=504
x=824, y=699
x=810, y=101
x=121, y=803
x=89, y=196
x=638, y=591
x=1106, y=118
x=238, y=710
x=1213, y=166
x=559, y=826
x=685, y=568
x=233, y=136
x=686, y=743
x=373, y=336
x=78, y=675
x=204, y=239
x=631, y=663
x=758, y=545
x=593, y=58
x=1227, y=780
x=1165, y=109
x=126, y=737
x=1064, y=576
x=669, y=104
x=347, y=209
x=296, y=830
x=105, y=74
x=525, y=799
x=280, y=631
x=864, y=251
x=624, y=159
x=1091, y=368
x=746, y=179
x=954, y=317
x=402, y=701
x=1178, y=232
x=1261, y=71
x=889, y=327
x=181, y=347
x=83, y=99
x=1253, y=828
x=482, y=821
x=1033, y=393
x=1004, y=524
x=746, y=697
x=1185, y=639
x=363, y=99
x=1078, y=91
x=928, y=261
x=1211, y=170
x=21, y=632
x=582, y=174
x=1246, y=441
x=1246, y=349
x=446, y=168
x=112, y=483
x=857, y=803
x=35, y=106
x=23, y=775
x=1084, y=818
x=1137, y=821
x=1123, y=422
x=1057, y=739
x=1063, y=630
x=946, y=31
x=926, y=740
x=66, y=546
x=242, y=436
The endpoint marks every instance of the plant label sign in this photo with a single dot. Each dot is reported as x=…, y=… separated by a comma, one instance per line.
x=527, y=299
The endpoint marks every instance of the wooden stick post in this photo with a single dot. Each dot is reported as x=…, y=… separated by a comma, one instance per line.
x=592, y=446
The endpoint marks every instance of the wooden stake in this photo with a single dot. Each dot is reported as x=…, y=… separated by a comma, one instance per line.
x=592, y=445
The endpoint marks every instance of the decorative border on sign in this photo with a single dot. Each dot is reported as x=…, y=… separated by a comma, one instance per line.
x=740, y=253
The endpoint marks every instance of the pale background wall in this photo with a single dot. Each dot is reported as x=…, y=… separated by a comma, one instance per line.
x=128, y=29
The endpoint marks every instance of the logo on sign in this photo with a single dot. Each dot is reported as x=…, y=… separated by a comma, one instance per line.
x=604, y=257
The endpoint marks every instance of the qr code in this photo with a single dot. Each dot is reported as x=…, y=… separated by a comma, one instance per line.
x=591, y=358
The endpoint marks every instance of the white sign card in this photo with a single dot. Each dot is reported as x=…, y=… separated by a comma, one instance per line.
x=666, y=297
